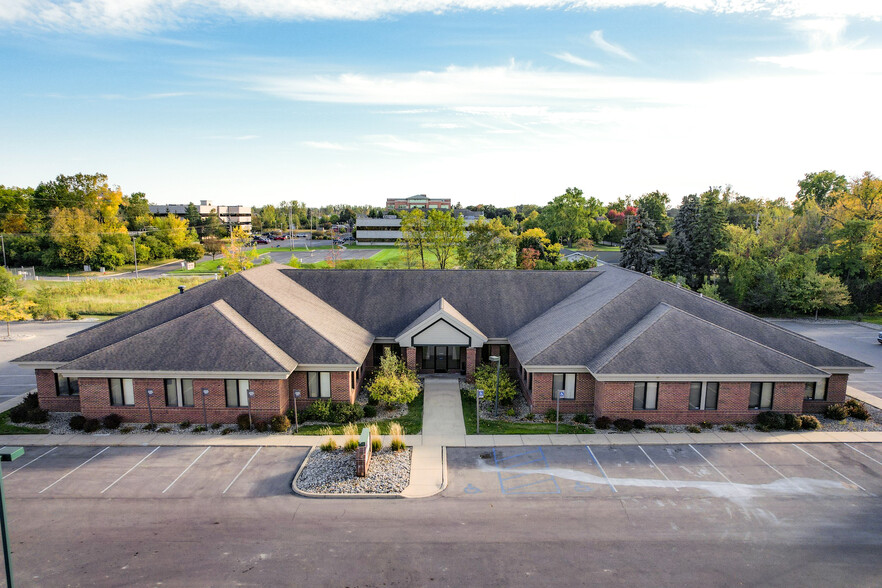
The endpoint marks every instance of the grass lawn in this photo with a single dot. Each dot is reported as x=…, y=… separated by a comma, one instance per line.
x=8, y=428
x=605, y=248
x=412, y=422
x=61, y=300
x=491, y=427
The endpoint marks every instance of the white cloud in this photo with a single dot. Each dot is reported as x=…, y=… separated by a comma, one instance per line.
x=118, y=16
x=327, y=145
x=575, y=60
x=821, y=31
x=842, y=61
x=604, y=45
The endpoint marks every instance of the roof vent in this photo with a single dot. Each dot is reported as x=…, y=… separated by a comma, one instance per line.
x=181, y=289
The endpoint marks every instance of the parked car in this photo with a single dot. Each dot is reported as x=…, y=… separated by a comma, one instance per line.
x=279, y=238
x=879, y=337
x=261, y=240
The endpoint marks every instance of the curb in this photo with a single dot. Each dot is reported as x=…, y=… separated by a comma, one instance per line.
x=306, y=494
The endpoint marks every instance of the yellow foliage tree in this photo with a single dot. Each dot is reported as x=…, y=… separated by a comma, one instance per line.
x=236, y=256
x=14, y=309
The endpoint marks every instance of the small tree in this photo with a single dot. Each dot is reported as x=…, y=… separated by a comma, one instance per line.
x=528, y=256
x=191, y=252
x=637, y=252
x=212, y=246
x=236, y=256
x=485, y=379
x=14, y=309
x=393, y=382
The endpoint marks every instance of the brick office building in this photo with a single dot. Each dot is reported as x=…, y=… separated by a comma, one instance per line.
x=614, y=342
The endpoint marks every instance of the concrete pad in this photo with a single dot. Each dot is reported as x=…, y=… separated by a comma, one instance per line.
x=673, y=438
x=597, y=439
x=409, y=440
x=560, y=439
x=872, y=436
x=654, y=439
x=622, y=439
x=586, y=439
x=507, y=440
x=446, y=440
x=536, y=439
x=788, y=437
x=442, y=407
x=731, y=437
x=134, y=439
x=477, y=441
x=759, y=437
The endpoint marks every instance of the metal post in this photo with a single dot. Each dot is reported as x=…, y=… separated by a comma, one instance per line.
x=478, y=398
x=9, y=454
x=3, y=243
x=560, y=393
x=250, y=396
x=204, y=411
x=496, y=409
x=149, y=408
x=296, y=420
x=135, y=251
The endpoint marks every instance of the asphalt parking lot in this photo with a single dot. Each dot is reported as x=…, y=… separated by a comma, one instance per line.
x=152, y=472
x=318, y=255
x=729, y=471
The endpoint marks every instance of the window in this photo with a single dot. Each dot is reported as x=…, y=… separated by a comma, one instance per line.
x=66, y=386
x=318, y=384
x=645, y=395
x=122, y=392
x=816, y=390
x=178, y=392
x=761, y=394
x=236, y=392
x=565, y=382
x=503, y=355
x=703, y=395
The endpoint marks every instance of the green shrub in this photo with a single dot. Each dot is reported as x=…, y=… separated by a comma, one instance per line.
x=38, y=415
x=150, y=427
x=706, y=425
x=280, y=423
x=261, y=426
x=603, y=422
x=19, y=413
x=763, y=429
x=243, y=421
x=351, y=444
x=771, y=419
x=227, y=431
x=112, y=421
x=510, y=412
x=810, y=422
x=185, y=424
x=728, y=428
x=199, y=429
x=693, y=429
x=343, y=412
x=31, y=400
x=91, y=425
x=639, y=424
x=393, y=383
x=216, y=426
x=624, y=425
x=550, y=415
x=76, y=422
x=582, y=418
x=164, y=430
x=370, y=411
x=529, y=416
x=318, y=410
x=329, y=445
x=658, y=429
x=126, y=430
x=397, y=444
x=836, y=412
x=856, y=409
x=376, y=444
x=372, y=401
x=485, y=379
x=792, y=422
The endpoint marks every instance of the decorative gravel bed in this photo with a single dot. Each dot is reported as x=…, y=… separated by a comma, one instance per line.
x=333, y=472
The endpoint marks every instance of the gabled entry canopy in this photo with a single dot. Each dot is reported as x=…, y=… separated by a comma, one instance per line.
x=441, y=324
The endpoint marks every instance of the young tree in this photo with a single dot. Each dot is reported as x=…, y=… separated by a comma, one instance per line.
x=173, y=230
x=136, y=211
x=14, y=309
x=213, y=246
x=393, y=383
x=637, y=251
x=490, y=245
x=194, y=219
x=568, y=216
x=444, y=233
x=414, y=236
x=485, y=379
x=76, y=235
x=236, y=255
x=528, y=258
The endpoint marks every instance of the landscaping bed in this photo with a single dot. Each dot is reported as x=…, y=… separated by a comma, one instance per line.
x=333, y=472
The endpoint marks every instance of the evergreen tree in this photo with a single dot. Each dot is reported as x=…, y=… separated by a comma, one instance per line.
x=637, y=252
x=708, y=237
x=192, y=215
x=678, y=250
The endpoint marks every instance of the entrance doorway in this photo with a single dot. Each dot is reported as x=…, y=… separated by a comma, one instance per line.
x=442, y=358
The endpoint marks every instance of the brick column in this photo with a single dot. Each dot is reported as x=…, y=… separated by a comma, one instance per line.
x=471, y=357
x=410, y=357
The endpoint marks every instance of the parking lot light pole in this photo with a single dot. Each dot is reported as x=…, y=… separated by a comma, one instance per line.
x=560, y=394
x=250, y=396
x=495, y=358
x=149, y=408
x=204, y=411
x=7, y=454
x=296, y=423
x=478, y=397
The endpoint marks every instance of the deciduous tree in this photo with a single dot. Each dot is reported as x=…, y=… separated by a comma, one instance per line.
x=490, y=245
x=444, y=233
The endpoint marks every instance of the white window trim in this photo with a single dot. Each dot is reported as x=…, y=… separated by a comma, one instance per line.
x=702, y=405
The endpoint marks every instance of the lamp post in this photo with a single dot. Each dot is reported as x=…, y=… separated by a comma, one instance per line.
x=496, y=398
x=560, y=394
x=250, y=396
x=7, y=454
x=135, y=252
x=296, y=420
x=204, y=411
x=478, y=398
x=149, y=408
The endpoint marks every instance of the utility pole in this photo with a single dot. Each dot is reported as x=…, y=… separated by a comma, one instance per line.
x=135, y=251
x=3, y=243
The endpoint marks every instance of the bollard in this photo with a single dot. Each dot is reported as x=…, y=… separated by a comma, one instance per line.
x=363, y=455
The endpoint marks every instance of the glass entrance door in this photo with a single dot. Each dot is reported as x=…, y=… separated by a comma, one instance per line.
x=440, y=359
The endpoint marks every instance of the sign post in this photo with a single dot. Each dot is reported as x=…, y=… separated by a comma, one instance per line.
x=478, y=398
x=205, y=412
x=296, y=423
x=250, y=396
x=7, y=454
x=149, y=408
x=496, y=358
x=560, y=394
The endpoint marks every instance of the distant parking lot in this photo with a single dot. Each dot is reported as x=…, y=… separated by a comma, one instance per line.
x=733, y=471
x=318, y=255
x=152, y=472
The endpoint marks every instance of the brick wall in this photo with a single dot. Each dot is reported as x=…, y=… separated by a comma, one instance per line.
x=616, y=400
x=837, y=385
x=48, y=396
x=342, y=389
x=269, y=398
x=543, y=396
x=410, y=356
x=471, y=363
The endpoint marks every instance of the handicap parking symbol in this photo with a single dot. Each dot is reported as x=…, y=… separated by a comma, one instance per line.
x=471, y=490
x=582, y=487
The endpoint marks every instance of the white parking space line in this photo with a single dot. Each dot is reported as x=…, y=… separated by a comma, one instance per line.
x=774, y=469
x=658, y=468
x=130, y=470
x=601, y=469
x=864, y=454
x=73, y=470
x=843, y=476
x=711, y=465
x=247, y=463
x=30, y=462
x=186, y=470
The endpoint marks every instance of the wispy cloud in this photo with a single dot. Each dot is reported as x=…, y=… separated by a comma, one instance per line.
x=574, y=60
x=842, y=60
x=124, y=16
x=326, y=145
x=612, y=49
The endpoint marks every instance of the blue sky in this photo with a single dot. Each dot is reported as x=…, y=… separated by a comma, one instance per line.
x=493, y=101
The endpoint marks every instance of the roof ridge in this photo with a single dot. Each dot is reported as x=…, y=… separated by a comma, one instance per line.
x=630, y=336
x=253, y=333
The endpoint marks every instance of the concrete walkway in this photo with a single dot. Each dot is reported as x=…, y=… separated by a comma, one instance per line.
x=442, y=411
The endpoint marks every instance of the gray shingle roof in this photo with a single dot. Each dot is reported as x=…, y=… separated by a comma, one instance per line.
x=442, y=305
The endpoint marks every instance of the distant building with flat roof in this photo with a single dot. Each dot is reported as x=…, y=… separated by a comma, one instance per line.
x=236, y=215
x=418, y=201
